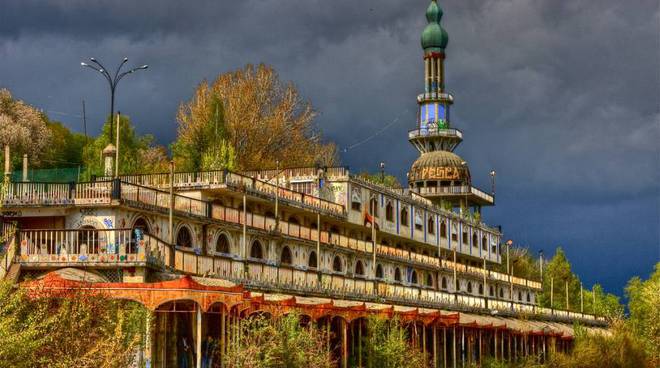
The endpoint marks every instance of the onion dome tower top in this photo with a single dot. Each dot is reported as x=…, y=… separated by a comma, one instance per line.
x=439, y=174
x=434, y=37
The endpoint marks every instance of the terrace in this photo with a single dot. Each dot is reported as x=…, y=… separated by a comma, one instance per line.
x=42, y=249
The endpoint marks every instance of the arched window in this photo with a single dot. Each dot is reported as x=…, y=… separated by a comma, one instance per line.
x=444, y=282
x=519, y=296
x=484, y=243
x=501, y=293
x=256, y=251
x=184, y=237
x=430, y=227
x=336, y=264
x=294, y=220
x=465, y=237
x=481, y=289
x=528, y=298
x=379, y=272
x=469, y=287
x=312, y=262
x=359, y=268
x=429, y=280
x=404, y=216
x=389, y=211
x=413, y=277
x=491, y=291
x=443, y=230
x=141, y=224
x=222, y=244
x=285, y=257
x=397, y=274
x=475, y=240
x=373, y=207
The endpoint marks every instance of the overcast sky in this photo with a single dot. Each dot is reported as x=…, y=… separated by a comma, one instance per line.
x=560, y=97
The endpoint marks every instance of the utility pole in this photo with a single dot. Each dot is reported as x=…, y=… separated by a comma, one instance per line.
x=170, y=218
x=277, y=195
x=117, y=148
x=581, y=299
x=552, y=290
x=566, y=283
x=84, y=118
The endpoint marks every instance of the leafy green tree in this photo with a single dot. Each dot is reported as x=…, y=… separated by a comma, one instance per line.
x=644, y=307
x=74, y=329
x=66, y=147
x=202, y=136
x=137, y=154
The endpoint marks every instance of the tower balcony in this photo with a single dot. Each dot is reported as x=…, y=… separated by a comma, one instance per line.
x=434, y=131
x=457, y=194
x=432, y=138
x=435, y=96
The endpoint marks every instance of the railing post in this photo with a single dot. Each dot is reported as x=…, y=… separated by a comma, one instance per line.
x=116, y=189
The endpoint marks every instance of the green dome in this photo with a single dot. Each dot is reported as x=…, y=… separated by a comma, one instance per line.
x=434, y=37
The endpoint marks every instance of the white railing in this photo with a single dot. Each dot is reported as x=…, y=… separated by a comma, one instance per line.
x=80, y=246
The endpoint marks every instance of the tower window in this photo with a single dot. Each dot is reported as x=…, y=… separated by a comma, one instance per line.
x=397, y=274
x=430, y=227
x=443, y=230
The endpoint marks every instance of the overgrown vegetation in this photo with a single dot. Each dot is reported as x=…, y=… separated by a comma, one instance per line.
x=74, y=330
x=387, y=346
x=279, y=343
x=557, y=276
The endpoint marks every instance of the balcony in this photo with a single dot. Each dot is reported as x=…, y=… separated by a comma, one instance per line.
x=434, y=131
x=218, y=180
x=468, y=191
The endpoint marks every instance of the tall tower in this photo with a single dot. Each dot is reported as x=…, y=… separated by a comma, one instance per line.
x=439, y=174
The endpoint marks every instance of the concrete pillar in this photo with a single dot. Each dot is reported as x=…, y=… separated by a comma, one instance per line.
x=453, y=348
x=223, y=341
x=25, y=167
x=148, y=339
x=198, y=340
x=344, y=344
x=7, y=161
x=435, y=346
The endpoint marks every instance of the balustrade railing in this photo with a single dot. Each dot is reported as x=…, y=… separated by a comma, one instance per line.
x=80, y=246
x=183, y=180
x=44, y=194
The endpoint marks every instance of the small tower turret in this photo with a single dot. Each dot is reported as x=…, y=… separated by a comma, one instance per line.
x=439, y=174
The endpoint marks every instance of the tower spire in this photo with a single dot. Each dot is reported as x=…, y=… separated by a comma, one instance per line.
x=438, y=174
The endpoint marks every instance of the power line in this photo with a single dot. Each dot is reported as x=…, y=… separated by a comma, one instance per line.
x=384, y=128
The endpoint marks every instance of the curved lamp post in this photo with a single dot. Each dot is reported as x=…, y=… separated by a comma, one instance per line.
x=112, y=81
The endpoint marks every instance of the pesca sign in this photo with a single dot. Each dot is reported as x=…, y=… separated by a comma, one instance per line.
x=438, y=173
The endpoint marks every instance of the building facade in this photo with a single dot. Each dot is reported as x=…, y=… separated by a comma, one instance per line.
x=202, y=250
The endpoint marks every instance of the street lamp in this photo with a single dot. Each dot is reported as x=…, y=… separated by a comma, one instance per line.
x=492, y=182
x=112, y=81
x=382, y=173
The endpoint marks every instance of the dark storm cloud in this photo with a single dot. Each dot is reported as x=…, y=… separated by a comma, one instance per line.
x=560, y=97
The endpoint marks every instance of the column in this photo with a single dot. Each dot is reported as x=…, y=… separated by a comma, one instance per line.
x=223, y=341
x=435, y=346
x=344, y=343
x=198, y=340
x=148, y=339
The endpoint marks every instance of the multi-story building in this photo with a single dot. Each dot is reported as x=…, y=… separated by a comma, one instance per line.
x=204, y=249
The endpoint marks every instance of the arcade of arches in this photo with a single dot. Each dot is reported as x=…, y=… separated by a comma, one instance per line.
x=188, y=310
